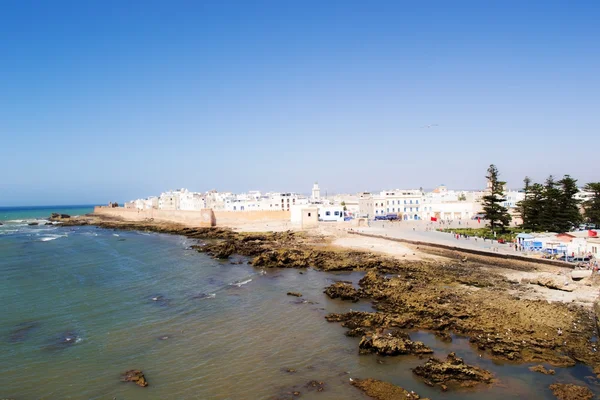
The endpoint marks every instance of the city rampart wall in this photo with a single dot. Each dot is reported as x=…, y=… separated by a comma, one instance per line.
x=192, y=218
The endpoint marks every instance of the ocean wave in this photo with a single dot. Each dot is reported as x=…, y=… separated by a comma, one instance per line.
x=240, y=283
x=51, y=237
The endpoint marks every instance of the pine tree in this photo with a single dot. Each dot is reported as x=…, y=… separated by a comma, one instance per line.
x=494, y=211
x=550, y=206
x=568, y=212
x=524, y=205
x=592, y=206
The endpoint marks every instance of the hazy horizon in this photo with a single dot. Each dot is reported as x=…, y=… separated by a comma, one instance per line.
x=115, y=101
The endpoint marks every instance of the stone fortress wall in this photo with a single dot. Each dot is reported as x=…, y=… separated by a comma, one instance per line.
x=205, y=217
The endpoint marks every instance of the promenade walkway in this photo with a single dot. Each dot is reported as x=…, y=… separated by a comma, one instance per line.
x=421, y=231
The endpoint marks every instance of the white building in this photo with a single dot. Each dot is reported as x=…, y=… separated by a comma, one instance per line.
x=366, y=205
x=448, y=210
x=513, y=197
x=170, y=200
x=405, y=203
x=191, y=201
x=331, y=213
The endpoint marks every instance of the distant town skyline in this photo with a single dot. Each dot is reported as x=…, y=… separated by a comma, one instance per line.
x=107, y=101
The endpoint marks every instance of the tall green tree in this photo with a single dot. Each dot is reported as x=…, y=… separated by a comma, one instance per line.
x=523, y=206
x=568, y=212
x=550, y=205
x=592, y=206
x=494, y=211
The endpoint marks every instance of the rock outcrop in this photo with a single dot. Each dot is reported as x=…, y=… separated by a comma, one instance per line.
x=542, y=370
x=57, y=216
x=391, y=344
x=380, y=390
x=135, y=376
x=295, y=294
x=344, y=291
x=451, y=372
x=564, y=391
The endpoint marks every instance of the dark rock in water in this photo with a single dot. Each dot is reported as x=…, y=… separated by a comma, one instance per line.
x=160, y=300
x=344, y=291
x=33, y=223
x=48, y=223
x=542, y=370
x=64, y=340
x=452, y=371
x=391, y=344
x=564, y=391
x=135, y=376
x=69, y=338
x=443, y=336
x=289, y=370
x=22, y=331
x=59, y=216
x=1, y=224
x=203, y=296
x=120, y=240
x=380, y=390
x=294, y=294
x=315, y=385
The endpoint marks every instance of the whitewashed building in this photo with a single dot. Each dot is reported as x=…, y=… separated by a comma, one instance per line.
x=170, y=200
x=191, y=201
x=331, y=213
x=406, y=204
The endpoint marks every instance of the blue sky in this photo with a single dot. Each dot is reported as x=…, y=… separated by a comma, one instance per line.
x=112, y=100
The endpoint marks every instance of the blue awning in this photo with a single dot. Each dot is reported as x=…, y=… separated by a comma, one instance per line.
x=525, y=236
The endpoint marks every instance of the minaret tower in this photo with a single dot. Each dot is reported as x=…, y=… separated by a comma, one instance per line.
x=316, y=192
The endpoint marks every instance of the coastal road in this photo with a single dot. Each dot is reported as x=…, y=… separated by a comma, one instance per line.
x=420, y=231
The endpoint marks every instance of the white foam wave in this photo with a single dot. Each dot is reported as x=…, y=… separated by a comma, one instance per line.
x=114, y=234
x=51, y=237
x=239, y=284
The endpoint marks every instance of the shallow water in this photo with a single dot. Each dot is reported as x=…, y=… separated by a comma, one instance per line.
x=231, y=330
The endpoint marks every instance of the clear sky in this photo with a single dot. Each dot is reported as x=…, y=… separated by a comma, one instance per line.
x=115, y=100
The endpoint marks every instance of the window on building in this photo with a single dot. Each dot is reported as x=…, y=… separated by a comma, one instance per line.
x=404, y=201
x=388, y=210
x=309, y=214
x=404, y=209
x=327, y=213
x=336, y=213
x=393, y=210
x=417, y=201
x=411, y=202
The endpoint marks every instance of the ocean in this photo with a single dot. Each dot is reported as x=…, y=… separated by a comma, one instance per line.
x=81, y=305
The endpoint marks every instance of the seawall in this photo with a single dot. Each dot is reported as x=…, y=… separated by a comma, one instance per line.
x=469, y=251
x=205, y=217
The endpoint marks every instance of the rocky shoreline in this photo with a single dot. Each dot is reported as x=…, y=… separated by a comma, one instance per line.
x=446, y=297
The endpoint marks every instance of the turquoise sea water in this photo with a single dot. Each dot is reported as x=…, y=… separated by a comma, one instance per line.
x=81, y=305
x=41, y=212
